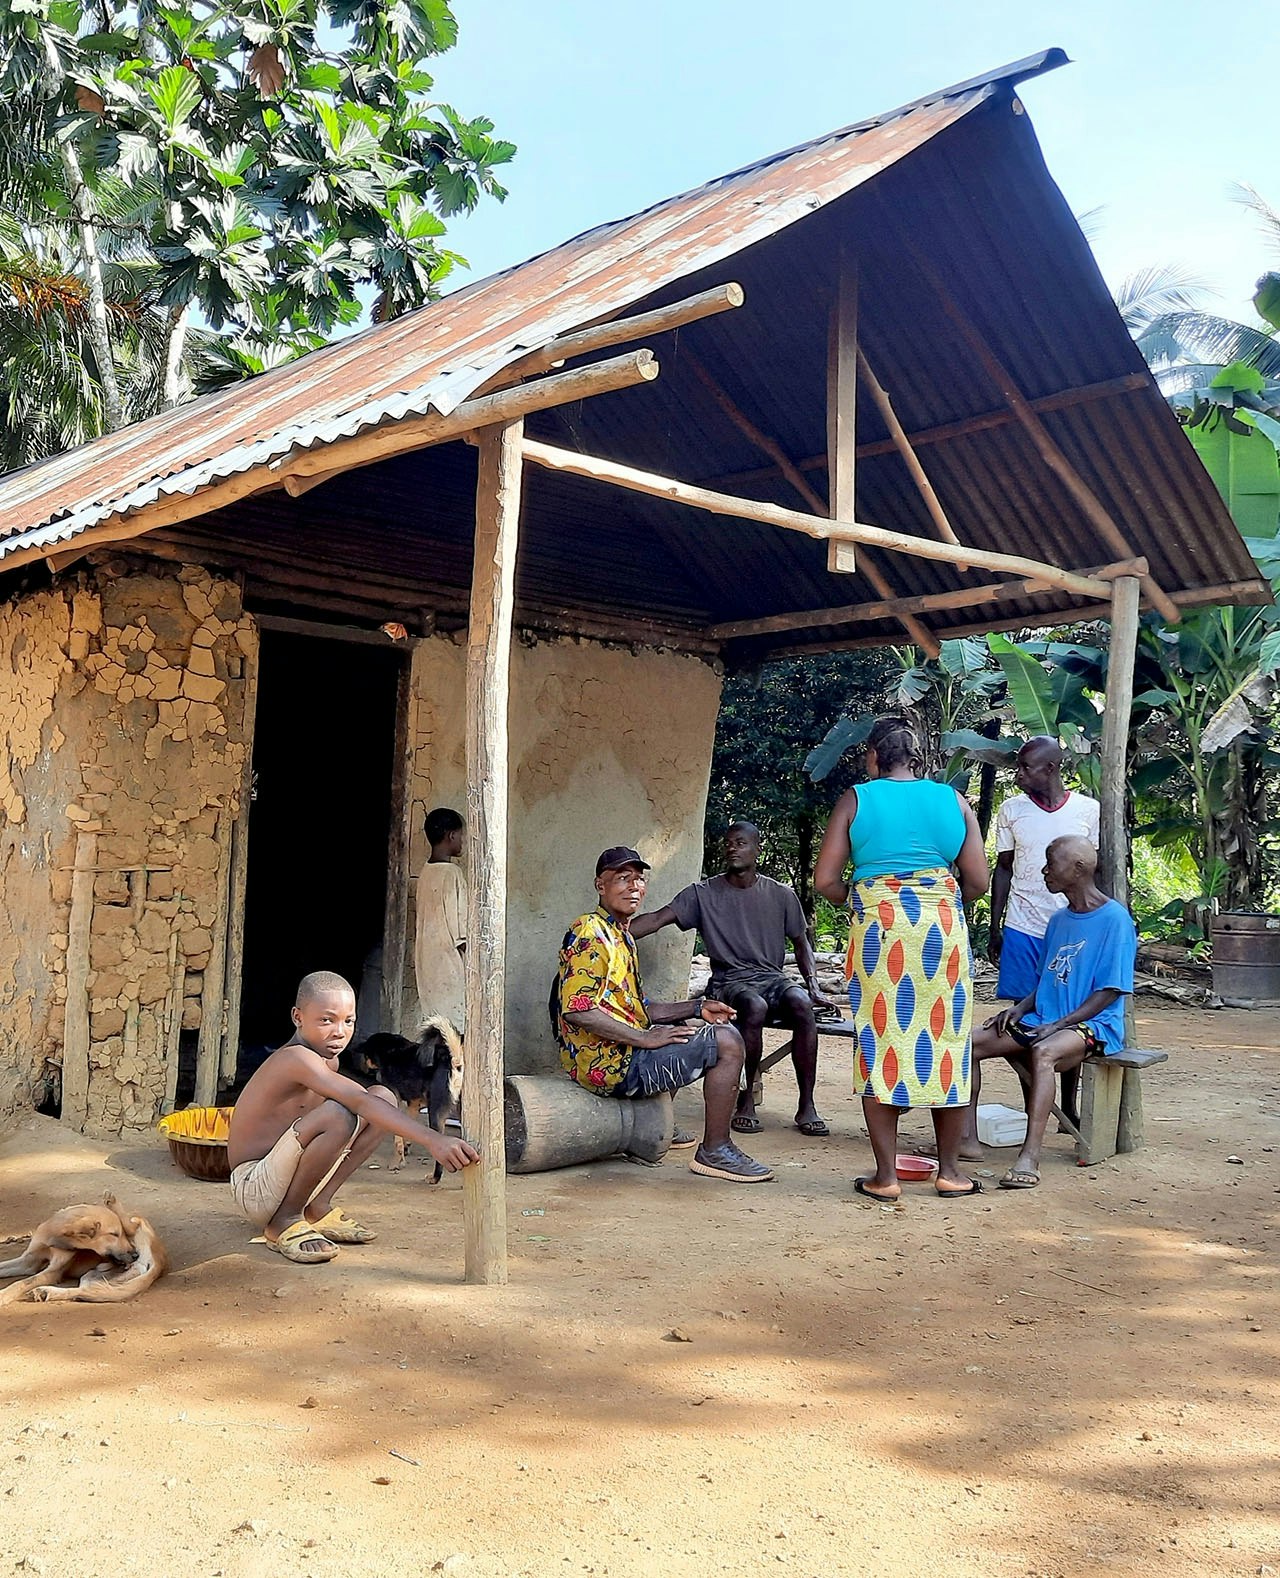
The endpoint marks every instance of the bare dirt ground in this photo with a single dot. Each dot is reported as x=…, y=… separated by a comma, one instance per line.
x=1082, y=1380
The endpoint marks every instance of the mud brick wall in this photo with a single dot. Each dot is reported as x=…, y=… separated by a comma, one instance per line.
x=122, y=751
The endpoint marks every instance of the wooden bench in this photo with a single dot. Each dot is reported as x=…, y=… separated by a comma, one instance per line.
x=1111, y=1122
x=839, y=1029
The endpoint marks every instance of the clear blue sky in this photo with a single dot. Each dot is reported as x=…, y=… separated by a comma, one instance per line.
x=616, y=105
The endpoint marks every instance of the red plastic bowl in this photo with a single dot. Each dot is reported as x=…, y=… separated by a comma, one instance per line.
x=915, y=1169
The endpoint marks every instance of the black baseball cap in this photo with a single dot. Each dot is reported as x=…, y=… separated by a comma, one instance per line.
x=617, y=857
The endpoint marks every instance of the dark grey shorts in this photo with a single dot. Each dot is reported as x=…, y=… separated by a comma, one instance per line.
x=761, y=981
x=655, y=1069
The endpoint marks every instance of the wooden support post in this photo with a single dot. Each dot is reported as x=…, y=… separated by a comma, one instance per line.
x=1131, y=1131
x=212, y=997
x=75, y=1033
x=395, y=927
x=842, y=444
x=1126, y=591
x=239, y=871
x=488, y=697
x=842, y=411
x=173, y=1023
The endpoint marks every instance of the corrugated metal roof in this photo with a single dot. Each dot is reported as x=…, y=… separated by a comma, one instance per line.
x=974, y=198
x=433, y=358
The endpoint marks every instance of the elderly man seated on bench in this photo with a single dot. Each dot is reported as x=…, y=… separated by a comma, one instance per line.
x=1077, y=1008
x=746, y=921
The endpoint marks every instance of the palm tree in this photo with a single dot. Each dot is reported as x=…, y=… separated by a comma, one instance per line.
x=1187, y=346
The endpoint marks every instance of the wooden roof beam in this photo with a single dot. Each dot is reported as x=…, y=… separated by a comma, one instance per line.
x=636, y=481
x=927, y=602
x=617, y=331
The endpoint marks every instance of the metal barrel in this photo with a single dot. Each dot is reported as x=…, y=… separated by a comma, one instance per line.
x=1246, y=959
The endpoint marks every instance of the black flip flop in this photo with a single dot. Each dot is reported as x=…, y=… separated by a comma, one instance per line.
x=741, y=1125
x=814, y=1128
x=959, y=1194
x=860, y=1187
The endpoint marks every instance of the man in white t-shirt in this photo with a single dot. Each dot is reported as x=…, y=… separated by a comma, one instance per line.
x=1021, y=905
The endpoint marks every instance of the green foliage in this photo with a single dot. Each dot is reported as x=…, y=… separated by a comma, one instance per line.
x=281, y=156
x=768, y=718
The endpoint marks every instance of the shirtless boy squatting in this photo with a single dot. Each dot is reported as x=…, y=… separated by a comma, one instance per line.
x=300, y=1129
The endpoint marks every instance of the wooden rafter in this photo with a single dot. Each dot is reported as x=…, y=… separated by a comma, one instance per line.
x=769, y=446
x=1049, y=451
x=902, y=443
x=1130, y=383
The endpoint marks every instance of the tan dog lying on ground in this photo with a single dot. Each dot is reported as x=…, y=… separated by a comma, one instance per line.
x=95, y=1254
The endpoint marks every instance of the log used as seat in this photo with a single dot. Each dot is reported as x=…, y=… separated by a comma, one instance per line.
x=551, y=1122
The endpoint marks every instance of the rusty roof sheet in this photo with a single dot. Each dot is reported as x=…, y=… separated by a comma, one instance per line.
x=432, y=359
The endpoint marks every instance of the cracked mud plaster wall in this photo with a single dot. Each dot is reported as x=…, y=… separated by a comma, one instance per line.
x=608, y=746
x=121, y=733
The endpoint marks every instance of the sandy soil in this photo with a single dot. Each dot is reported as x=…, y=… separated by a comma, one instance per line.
x=1082, y=1380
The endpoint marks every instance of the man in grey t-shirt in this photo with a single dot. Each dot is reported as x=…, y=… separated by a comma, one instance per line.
x=746, y=921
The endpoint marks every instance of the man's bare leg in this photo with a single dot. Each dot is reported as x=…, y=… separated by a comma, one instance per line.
x=752, y=1012
x=882, y=1128
x=797, y=1011
x=1049, y=1058
x=720, y=1087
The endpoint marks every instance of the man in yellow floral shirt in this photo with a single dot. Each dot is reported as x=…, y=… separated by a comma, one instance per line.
x=614, y=1042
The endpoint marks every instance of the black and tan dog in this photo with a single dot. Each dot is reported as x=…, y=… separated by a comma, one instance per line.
x=93, y=1254
x=422, y=1073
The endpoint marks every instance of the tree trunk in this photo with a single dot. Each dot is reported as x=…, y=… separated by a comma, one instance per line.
x=99, y=325
x=804, y=863
x=178, y=321
x=987, y=779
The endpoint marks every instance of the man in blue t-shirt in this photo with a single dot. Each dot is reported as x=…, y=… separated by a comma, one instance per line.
x=1077, y=1008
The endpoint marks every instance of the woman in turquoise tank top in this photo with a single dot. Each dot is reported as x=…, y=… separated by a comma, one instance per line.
x=909, y=967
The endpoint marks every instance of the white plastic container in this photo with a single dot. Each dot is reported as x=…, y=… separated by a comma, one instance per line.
x=999, y=1125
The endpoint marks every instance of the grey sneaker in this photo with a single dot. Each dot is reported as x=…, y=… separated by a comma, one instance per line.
x=729, y=1163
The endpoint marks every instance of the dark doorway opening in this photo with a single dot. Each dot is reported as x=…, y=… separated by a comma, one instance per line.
x=319, y=826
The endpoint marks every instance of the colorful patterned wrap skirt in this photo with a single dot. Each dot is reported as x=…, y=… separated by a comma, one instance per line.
x=910, y=975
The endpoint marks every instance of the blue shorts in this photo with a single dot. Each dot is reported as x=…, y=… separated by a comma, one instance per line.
x=655, y=1069
x=1020, y=959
